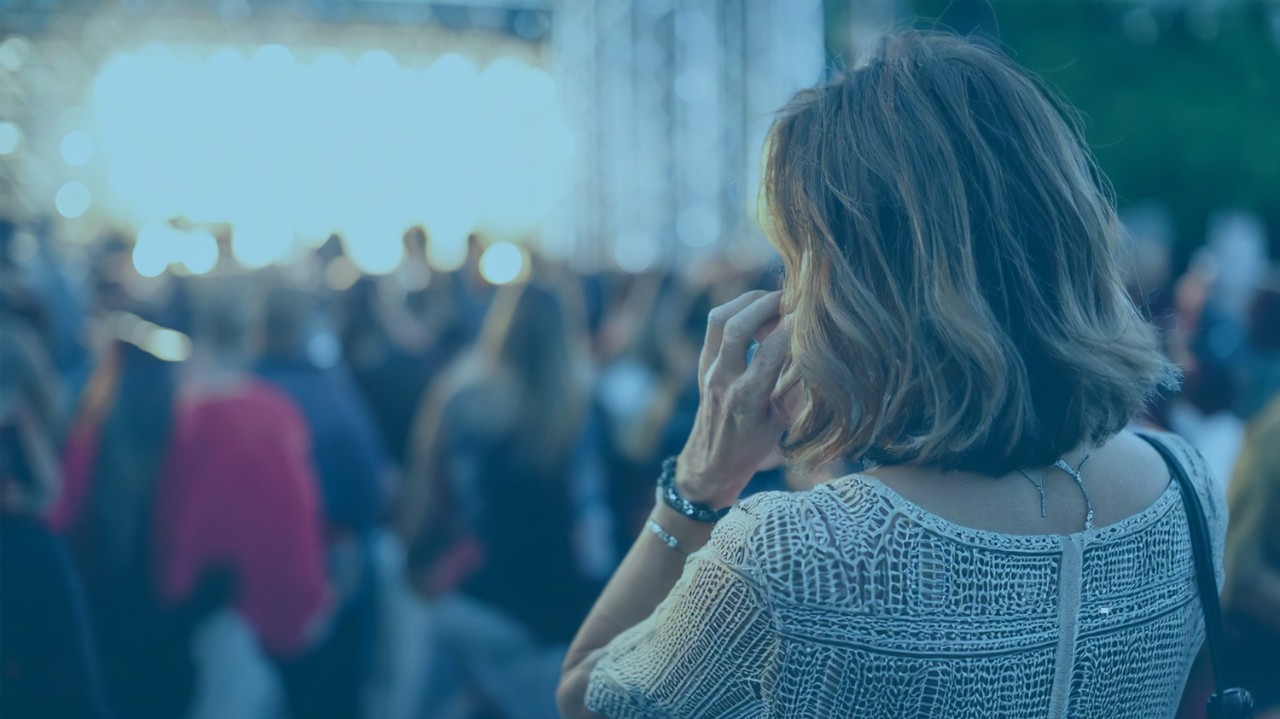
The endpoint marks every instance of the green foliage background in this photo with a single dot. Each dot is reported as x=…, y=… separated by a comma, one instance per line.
x=1189, y=118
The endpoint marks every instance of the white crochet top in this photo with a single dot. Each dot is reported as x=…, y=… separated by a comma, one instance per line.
x=849, y=601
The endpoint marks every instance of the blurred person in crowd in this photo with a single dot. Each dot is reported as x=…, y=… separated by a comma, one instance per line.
x=675, y=329
x=1215, y=297
x=1260, y=364
x=1251, y=593
x=30, y=252
x=649, y=393
x=397, y=342
x=472, y=293
x=1148, y=271
x=1203, y=414
x=1251, y=596
x=505, y=510
x=118, y=446
x=954, y=317
x=48, y=664
x=1236, y=242
x=355, y=474
x=189, y=488
x=631, y=361
x=1232, y=363
x=24, y=318
x=627, y=391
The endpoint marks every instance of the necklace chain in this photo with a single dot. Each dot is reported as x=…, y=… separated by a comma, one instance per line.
x=1074, y=473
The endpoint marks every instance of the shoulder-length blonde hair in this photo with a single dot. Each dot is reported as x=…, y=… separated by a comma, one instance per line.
x=952, y=278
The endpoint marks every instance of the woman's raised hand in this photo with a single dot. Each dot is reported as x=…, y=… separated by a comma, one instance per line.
x=737, y=425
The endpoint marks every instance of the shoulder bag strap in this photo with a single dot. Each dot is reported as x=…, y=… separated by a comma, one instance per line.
x=1227, y=702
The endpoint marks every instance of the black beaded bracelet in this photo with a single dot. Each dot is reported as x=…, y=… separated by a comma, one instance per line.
x=667, y=490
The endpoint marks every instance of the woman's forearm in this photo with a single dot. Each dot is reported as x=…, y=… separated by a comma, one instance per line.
x=736, y=428
x=642, y=581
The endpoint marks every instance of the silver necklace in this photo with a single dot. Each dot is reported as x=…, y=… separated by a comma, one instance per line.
x=1074, y=473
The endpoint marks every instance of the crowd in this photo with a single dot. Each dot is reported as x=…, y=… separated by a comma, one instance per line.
x=290, y=493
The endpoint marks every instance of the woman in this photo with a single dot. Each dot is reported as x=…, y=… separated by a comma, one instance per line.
x=190, y=488
x=506, y=517
x=953, y=316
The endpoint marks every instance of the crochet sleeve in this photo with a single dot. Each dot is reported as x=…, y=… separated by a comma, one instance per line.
x=708, y=650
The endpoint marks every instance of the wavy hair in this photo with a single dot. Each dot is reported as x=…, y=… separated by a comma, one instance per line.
x=952, y=273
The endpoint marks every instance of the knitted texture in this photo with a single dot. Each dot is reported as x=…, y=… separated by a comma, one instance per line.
x=848, y=600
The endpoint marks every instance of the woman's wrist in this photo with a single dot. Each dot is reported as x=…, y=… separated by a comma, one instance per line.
x=701, y=490
x=689, y=534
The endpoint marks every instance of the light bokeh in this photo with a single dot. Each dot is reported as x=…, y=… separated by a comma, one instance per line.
x=78, y=148
x=503, y=263
x=199, y=252
x=10, y=138
x=73, y=199
x=156, y=247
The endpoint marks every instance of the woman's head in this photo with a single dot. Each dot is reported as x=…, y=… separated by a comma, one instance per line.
x=534, y=331
x=536, y=337
x=952, y=280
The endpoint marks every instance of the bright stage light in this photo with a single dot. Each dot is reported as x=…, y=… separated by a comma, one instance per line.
x=14, y=51
x=698, y=226
x=374, y=250
x=313, y=229
x=155, y=248
x=73, y=200
x=453, y=68
x=377, y=62
x=503, y=263
x=273, y=57
x=226, y=60
x=156, y=51
x=257, y=245
x=447, y=237
x=330, y=63
x=199, y=252
x=278, y=148
x=636, y=252
x=77, y=148
x=446, y=256
x=10, y=138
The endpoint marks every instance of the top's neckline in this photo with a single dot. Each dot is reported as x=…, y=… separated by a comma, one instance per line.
x=985, y=537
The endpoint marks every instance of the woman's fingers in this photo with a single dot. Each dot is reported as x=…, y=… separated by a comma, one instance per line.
x=761, y=377
x=716, y=323
x=741, y=329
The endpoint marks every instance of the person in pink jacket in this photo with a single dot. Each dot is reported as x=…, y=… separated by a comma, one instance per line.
x=183, y=496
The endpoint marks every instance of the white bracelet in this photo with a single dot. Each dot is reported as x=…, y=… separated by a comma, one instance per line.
x=664, y=536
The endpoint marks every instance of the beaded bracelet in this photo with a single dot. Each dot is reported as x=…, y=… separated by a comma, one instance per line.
x=667, y=490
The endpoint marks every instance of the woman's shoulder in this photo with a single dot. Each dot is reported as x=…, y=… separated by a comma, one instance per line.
x=1210, y=492
x=1183, y=451
x=771, y=535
